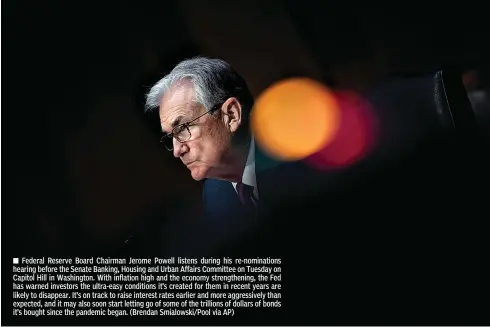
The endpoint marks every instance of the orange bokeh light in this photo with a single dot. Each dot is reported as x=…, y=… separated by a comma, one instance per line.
x=294, y=118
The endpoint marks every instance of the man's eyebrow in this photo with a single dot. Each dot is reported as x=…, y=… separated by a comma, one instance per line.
x=177, y=121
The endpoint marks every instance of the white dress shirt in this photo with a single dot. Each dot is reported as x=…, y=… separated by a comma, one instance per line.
x=248, y=177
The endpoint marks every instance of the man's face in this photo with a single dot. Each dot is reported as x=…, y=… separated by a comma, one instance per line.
x=205, y=152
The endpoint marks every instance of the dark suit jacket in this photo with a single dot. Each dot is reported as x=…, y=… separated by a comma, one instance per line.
x=276, y=182
x=225, y=216
x=280, y=185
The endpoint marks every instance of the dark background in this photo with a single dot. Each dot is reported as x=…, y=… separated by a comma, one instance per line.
x=82, y=167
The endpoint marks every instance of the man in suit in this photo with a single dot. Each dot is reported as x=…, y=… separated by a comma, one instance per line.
x=204, y=109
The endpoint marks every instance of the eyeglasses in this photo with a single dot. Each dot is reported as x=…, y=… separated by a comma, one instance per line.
x=181, y=132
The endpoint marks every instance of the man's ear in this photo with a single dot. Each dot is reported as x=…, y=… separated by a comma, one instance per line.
x=232, y=114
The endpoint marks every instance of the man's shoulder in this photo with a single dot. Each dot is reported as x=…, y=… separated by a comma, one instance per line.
x=220, y=200
x=214, y=187
x=211, y=183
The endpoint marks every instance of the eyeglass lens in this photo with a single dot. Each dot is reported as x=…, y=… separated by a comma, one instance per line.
x=180, y=133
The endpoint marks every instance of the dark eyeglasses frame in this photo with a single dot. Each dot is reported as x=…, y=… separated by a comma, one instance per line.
x=179, y=128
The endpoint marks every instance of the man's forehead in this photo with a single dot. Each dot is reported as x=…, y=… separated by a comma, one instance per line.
x=177, y=103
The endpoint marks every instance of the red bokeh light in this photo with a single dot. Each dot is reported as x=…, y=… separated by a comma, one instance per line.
x=355, y=138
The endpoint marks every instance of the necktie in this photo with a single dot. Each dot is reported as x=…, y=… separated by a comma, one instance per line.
x=246, y=194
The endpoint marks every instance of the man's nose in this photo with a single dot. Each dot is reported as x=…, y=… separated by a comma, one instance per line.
x=179, y=149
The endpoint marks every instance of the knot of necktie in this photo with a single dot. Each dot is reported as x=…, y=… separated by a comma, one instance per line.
x=246, y=194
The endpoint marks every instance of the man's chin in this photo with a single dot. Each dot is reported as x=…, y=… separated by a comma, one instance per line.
x=198, y=174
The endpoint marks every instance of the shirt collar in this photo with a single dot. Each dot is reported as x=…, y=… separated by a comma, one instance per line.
x=248, y=176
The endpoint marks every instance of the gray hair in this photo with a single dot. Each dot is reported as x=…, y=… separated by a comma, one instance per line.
x=214, y=82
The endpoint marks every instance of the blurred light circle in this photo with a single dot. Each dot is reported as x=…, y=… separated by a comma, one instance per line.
x=294, y=118
x=355, y=137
